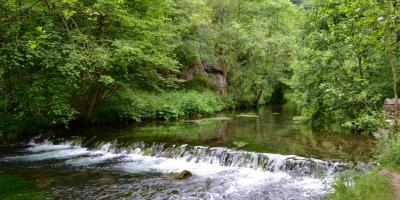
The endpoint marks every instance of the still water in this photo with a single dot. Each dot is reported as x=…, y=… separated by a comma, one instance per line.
x=248, y=154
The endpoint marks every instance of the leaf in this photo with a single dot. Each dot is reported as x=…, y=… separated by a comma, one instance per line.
x=107, y=80
x=39, y=28
x=69, y=13
x=70, y=2
x=32, y=44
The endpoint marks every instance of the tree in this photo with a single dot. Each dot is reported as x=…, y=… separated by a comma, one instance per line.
x=342, y=73
x=60, y=69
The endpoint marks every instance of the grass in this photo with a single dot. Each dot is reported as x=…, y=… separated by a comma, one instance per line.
x=372, y=186
x=390, y=155
x=13, y=188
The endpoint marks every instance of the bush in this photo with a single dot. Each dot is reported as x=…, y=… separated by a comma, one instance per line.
x=371, y=186
x=12, y=127
x=139, y=105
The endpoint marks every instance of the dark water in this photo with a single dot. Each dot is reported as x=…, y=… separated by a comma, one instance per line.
x=253, y=154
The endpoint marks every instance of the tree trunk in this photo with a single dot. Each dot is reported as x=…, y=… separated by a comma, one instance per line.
x=92, y=104
x=96, y=97
x=258, y=94
x=359, y=58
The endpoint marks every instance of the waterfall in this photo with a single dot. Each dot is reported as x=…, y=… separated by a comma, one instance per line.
x=218, y=172
x=221, y=156
x=292, y=164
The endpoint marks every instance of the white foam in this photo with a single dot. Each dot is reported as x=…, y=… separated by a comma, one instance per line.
x=47, y=147
x=135, y=163
x=231, y=180
x=57, y=154
x=92, y=159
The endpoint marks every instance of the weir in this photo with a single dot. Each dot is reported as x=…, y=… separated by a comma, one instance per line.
x=292, y=164
x=221, y=156
x=218, y=172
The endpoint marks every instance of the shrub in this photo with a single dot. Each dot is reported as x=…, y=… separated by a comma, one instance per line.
x=139, y=105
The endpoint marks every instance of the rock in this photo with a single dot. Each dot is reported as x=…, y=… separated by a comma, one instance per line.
x=389, y=106
x=239, y=144
x=44, y=136
x=206, y=120
x=178, y=176
x=214, y=70
x=248, y=115
x=183, y=175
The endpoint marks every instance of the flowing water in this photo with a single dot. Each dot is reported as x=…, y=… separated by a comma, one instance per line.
x=256, y=154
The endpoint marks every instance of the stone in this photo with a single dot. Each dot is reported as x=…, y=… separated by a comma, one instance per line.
x=178, y=176
x=44, y=136
x=248, y=115
x=390, y=107
x=239, y=144
x=215, y=71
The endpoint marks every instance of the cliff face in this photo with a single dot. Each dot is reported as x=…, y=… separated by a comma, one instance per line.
x=215, y=71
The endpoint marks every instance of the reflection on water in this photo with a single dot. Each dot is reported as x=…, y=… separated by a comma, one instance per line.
x=268, y=129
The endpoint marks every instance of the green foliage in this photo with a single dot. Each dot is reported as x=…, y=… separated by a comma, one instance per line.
x=390, y=155
x=138, y=105
x=256, y=40
x=58, y=70
x=199, y=83
x=343, y=71
x=12, y=188
x=368, y=121
x=336, y=56
x=374, y=185
x=371, y=186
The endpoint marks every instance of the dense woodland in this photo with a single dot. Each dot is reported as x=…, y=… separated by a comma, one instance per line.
x=65, y=62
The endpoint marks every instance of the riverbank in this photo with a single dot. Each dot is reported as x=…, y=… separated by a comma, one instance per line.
x=374, y=185
x=384, y=182
x=125, y=109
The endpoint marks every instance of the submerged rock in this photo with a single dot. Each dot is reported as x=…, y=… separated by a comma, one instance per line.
x=206, y=120
x=179, y=175
x=44, y=136
x=239, y=144
x=250, y=115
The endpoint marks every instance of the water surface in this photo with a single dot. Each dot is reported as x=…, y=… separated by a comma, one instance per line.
x=268, y=129
x=251, y=154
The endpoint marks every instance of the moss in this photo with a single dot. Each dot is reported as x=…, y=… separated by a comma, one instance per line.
x=12, y=188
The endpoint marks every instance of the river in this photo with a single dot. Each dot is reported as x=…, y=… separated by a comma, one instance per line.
x=247, y=154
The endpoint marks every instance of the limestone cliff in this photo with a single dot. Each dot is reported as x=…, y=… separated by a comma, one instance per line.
x=215, y=71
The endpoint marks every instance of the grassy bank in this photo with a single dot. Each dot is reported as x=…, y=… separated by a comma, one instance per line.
x=372, y=186
x=128, y=106
x=376, y=184
x=390, y=155
x=13, y=188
